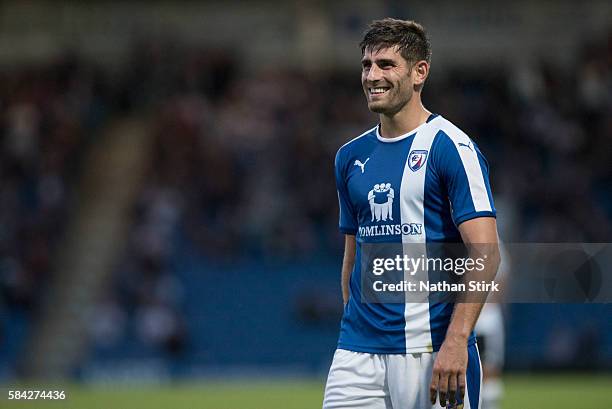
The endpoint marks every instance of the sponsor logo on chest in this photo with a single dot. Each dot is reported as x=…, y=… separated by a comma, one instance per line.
x=380, y=199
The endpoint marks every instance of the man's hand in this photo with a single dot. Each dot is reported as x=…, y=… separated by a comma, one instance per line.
x=449, y=370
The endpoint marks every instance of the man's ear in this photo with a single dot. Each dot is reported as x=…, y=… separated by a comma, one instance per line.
x=420, y=71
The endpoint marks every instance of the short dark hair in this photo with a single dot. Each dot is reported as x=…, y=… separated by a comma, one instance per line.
x=409, y=36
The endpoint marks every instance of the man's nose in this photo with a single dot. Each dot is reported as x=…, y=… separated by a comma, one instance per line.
x=374, y=74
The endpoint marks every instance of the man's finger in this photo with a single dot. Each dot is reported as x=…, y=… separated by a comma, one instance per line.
x=452, y=390
x=433, y=386
x=443, y=388
x=461, y=386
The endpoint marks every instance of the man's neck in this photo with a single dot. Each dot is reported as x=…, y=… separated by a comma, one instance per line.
x=409, y=118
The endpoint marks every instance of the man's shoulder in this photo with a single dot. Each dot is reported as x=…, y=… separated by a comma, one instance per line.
x=356, y=143
x=451, y=132
x=453, y=144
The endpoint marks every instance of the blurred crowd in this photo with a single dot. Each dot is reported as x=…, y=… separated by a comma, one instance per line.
x=243, y=160
x=48, y=115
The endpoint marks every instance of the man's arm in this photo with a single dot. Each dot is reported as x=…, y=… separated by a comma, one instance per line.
x=348, y=263
x=450, y=366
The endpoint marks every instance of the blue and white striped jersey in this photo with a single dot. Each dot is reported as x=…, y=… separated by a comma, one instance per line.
x=415, y=188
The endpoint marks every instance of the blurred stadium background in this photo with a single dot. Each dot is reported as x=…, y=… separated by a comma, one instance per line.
x=168, y=216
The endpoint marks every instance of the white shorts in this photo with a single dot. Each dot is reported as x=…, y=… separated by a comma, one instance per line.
x=391, y=381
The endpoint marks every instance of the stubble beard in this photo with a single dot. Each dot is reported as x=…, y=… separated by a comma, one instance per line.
x=388, y=109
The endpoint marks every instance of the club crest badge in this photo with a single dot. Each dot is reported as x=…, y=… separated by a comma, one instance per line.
x=416, y=160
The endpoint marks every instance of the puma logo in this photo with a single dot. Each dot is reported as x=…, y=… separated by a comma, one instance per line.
x=361, y=165
x=467, y=145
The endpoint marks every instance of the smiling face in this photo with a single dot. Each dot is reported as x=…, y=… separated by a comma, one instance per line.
x=387, y=80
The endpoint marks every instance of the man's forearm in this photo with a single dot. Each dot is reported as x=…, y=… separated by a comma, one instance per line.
x=469, y=305
x=348, y=262
x=463, y=321
x=346, y=276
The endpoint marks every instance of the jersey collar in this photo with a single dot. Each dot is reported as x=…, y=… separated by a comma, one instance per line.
x=406, y=135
